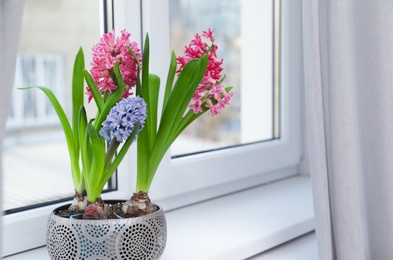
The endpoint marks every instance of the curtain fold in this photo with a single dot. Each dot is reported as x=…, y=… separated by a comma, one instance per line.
x=372, y=38
x=11, y=12
x=349, y=103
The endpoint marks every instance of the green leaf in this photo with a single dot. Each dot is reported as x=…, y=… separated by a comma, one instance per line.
x=118, y=77
x=94, y=90
x=77, y=92
x=96, y=172
x=87, y=153
x=116, y=162
x=82, y=125
x=143, y=159
x=180, y=98
x=144, y=142
x=170, y=79
x=187, y=120
x=59, y=110
x=145, y=68
x=62, y=117
x=113, y=99
x=71, y=144
x=152, y=106
x=138, y=80
x=134, y=56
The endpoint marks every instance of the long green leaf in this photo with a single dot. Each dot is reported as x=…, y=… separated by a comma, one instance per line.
x=113, y=99
x=138, y=80
x=172, y=108
x=182, y=92
x=87, y=153
x=77, y=93
x=72, y=148
x=144, y=144
x=60, y=113
x=96, y=172
x=118, y=77
x=154, y=89
x=145, y=70
x=138, y=64
x=82, y=125
x=94, y=90
x=169, y=80
x=185, y=101
x=116, y=162
x=143, y=159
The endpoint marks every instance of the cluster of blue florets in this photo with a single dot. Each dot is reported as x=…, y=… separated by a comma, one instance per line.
x=122, y=119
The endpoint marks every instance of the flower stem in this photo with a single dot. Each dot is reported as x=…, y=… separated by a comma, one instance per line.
x=113, y=145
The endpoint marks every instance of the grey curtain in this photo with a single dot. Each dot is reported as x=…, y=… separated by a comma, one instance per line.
x=10, y=23
x=348, y=59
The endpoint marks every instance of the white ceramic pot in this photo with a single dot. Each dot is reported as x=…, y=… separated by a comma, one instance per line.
x=129, y=238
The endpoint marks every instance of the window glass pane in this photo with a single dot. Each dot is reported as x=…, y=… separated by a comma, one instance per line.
x=36, y=164
x=244, y=34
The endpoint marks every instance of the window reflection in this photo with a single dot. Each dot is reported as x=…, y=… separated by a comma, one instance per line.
x=243, y=33
x=36, y=164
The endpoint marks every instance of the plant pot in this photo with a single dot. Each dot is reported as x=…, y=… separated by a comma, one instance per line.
x=129, y=238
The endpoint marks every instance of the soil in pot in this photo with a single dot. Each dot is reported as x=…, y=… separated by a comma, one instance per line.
x=116, y=206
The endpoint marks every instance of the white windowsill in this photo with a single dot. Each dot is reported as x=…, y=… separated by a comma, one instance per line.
x=235, y=226
x=302, y=248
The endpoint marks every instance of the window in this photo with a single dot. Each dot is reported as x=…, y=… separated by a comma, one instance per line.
x=219, y=171
x=36, y=168
x=36, y=163
x=204, y=173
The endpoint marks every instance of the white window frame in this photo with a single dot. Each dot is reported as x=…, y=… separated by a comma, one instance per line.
x=186, y=180
x=193, y=178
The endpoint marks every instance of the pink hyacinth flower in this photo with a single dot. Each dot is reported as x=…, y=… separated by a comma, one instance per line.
x=105, y=54
x=210, y=92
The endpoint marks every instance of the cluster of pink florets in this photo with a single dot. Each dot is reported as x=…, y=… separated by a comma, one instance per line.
x=105, y=54
x=210, y=92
